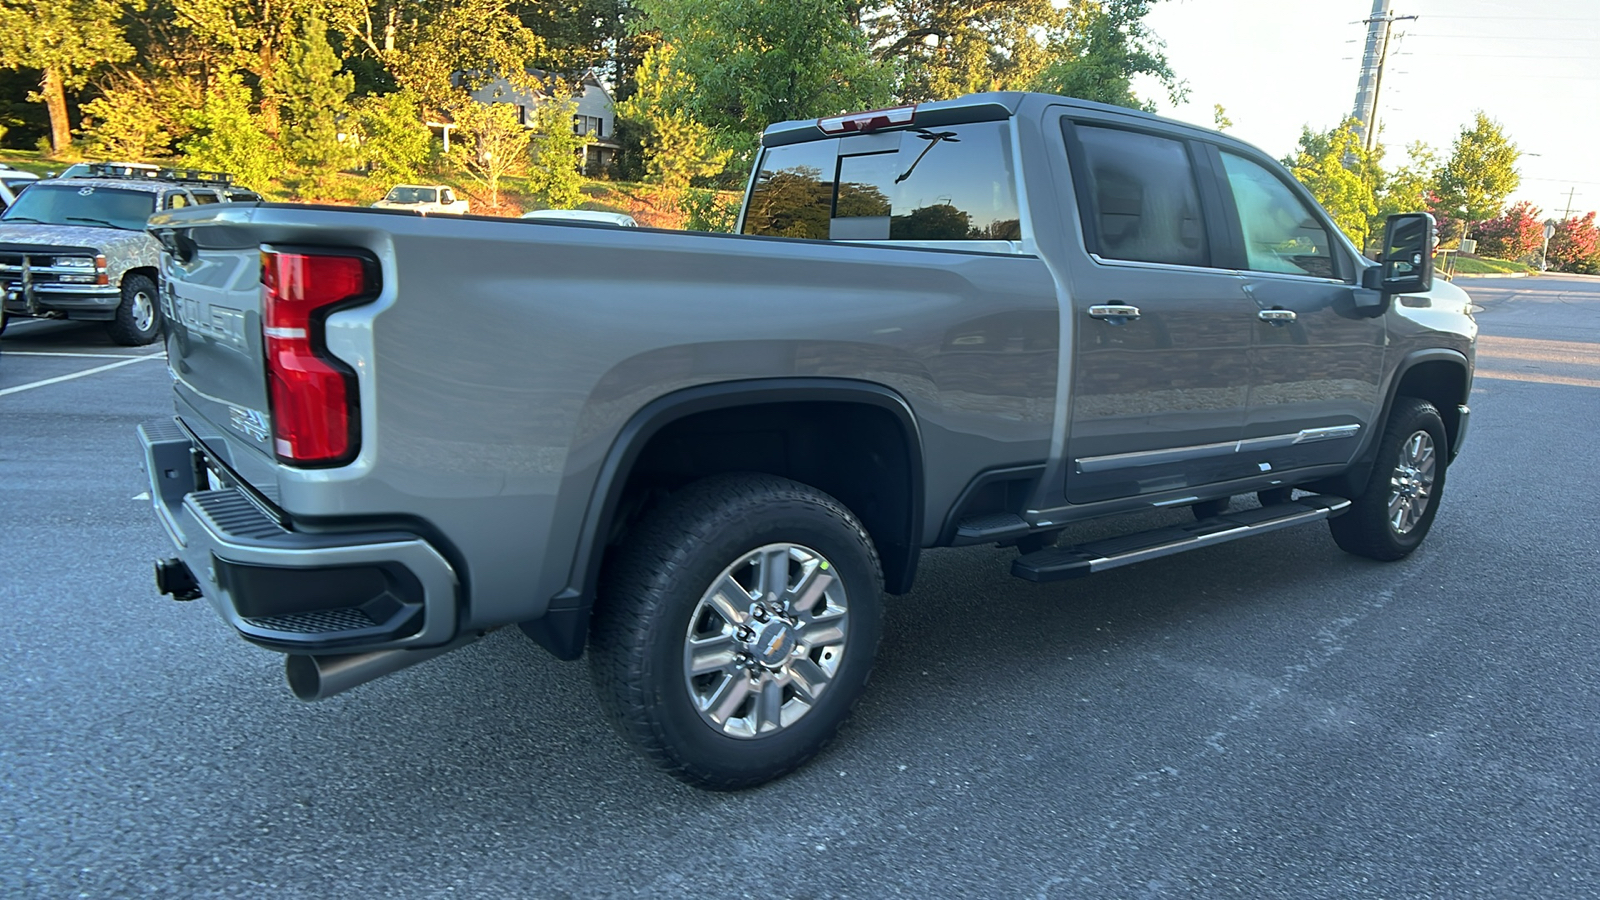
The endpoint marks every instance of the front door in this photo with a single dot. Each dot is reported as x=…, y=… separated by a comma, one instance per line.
x=1317, y=359
x=1161, y=336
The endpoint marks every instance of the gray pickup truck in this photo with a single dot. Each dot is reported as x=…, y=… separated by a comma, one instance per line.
x=704, y=458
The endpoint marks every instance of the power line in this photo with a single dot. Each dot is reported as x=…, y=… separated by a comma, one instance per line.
x=1497, y=37
x=1525, y=18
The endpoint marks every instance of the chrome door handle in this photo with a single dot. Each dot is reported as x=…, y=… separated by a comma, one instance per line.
x=1276, y=316
x=1114, y=312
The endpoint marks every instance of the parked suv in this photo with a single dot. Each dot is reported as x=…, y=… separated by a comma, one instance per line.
x=76, y=248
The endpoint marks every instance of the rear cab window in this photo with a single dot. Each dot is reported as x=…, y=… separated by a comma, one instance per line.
x=942, y=183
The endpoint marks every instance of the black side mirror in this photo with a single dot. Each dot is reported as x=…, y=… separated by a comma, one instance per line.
x=1407, y=254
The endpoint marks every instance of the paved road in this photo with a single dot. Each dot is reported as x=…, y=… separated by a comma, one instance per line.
x=1266, y=718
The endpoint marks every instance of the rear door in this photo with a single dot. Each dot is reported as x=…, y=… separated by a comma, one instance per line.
x=1317, y=359
x=1161, y=332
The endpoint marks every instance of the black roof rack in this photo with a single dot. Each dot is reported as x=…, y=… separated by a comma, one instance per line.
x=136, y=173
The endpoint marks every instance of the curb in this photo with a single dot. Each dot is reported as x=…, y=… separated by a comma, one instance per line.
x=1460, y=275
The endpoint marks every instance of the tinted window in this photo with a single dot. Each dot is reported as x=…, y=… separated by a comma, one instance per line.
x=944, y=184
x=177, y=201
x=205, y=197
x=1142, y=203
x=1280, y=232
x=83, y=204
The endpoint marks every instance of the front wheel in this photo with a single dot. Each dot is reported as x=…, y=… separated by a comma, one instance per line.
x=736, y=628
x=1392, y=515
x=138, y=316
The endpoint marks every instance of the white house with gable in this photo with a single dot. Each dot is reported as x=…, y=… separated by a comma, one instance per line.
x=595, y=114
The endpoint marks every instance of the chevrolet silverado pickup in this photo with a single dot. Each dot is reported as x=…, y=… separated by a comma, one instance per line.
x=702, y=459
x=75, y=247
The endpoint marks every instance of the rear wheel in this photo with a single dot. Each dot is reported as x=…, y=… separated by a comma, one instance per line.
x=736, y=628
x=1394, y=513
x=138, y=317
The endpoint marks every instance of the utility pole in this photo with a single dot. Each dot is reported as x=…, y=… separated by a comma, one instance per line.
x=1373, y=59
x=1570, y=192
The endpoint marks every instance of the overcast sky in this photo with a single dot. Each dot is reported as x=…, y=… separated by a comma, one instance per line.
x=1277, y=65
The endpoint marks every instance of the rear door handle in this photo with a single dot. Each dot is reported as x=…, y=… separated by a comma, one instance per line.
x=1114, y=312
x=1276, y=316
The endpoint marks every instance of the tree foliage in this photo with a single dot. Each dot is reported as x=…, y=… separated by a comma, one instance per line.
x=1515, y=234
x=493, y=144
x=394, y=142
x=1102, y=47
x=938, y=49
x=460, y=46
x=755, y=62
x=315, y=99
x=677, y=148
x=1575, y=246
x=123, y=124
x=65, y=40
x=556, y=174
x=1342, y=175
x=227, y=137
x=1480, y=174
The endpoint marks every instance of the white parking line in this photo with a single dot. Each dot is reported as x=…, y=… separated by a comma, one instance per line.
x=57, y=380
x=84, y=355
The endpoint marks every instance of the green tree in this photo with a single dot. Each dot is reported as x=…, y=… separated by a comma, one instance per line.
x=1219, y=117
x=394, y=141
x=460, y=47
x=1103, y=46
x=557, y=149
x=755, y=63
x=493, y=144
x=1409, y=188
x=65, y=40
x=1344, y=177
x=1480, y=174
x=123, y=124
x=314, y=94
x=945, y=48
x=228, y=137
x=677, y=148
x=250, y=36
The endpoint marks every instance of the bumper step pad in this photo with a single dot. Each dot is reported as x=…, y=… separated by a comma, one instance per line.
x=1061, y=563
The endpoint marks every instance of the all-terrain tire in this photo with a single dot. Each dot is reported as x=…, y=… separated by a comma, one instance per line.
x=138, y=318
x=672, y=589
x=1393, y=514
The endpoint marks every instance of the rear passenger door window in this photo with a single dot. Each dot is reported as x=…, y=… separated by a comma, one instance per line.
x=1139, y=201
x=1281, y=233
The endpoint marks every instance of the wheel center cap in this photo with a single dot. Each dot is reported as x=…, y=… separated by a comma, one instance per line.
x=773, y=643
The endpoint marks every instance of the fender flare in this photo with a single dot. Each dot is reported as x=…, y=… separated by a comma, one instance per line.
x=1360, y=468
x=563, y=629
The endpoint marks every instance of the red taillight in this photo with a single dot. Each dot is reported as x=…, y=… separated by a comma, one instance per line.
x=864, y=122
x=315, y=415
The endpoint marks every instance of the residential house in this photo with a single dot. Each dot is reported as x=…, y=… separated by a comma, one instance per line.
x=595, y=114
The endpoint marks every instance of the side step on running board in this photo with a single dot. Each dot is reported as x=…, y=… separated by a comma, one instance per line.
x=1059, y=563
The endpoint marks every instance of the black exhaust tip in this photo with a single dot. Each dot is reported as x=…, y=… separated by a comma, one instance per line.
x=173, y=577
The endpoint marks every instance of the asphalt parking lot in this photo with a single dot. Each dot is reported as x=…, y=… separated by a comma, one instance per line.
x=1267, y=718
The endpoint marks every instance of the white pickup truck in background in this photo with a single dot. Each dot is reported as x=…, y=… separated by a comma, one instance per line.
x=423, y=198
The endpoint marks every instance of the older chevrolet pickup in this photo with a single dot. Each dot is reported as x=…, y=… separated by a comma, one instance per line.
x=704, y=458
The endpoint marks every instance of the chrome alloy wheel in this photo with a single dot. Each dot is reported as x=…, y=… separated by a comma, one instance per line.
x=765, y=640
x=1411, y=485
x=142, y=309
